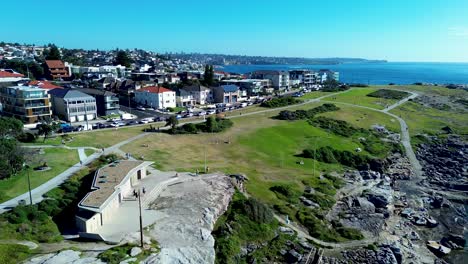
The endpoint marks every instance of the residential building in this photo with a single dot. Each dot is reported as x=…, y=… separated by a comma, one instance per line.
x=46, y=85
x=30, y=104
x=107, y=102
x=111, y=185
x=56, y=69
x=326, y=74
x=155, y=96
x=193, y=95
x=304, y=78
x=252, y=87
x=72, y=105
x=279, y=79
x=10, y=76
x=226, y=94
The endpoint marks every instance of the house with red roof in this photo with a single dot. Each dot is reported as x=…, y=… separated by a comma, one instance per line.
x=56, y=69
x=46, y=85
x=7, y=75
x=156, y=97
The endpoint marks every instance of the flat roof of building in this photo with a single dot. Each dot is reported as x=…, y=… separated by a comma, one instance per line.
x=107, y=179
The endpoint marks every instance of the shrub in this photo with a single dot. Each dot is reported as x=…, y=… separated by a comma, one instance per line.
x=286, y=192
x=280, y=102
x=389, y=94
x=305, y=114
x=258, y=211
x=329, y=155
x=337, y=127
x=26, y=137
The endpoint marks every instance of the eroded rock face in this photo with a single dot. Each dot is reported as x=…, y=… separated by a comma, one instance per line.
x=187, y=213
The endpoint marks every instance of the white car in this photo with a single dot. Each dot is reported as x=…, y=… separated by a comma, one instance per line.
x=202, y=113
x=141, y=108
x=211, y=112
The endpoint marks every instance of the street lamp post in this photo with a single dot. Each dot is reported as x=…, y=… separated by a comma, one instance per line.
x=29, y=183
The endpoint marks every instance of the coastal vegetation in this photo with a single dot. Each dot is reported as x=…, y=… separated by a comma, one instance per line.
x=305, y=114
x=389, y=94
x=211, y=125
x=280, y=102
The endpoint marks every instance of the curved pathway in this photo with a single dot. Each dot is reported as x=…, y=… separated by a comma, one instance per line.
x=39, y=191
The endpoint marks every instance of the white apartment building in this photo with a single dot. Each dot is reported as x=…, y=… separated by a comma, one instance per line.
x=156, y=97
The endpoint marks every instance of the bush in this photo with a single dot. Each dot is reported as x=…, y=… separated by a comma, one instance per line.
x=280, y=102
x=26, y=137
x=329, y=155
x=286, y=192
x=212, y=125
x=389, y=94
x=257, y=211
x=337, y=127
x=303, y=114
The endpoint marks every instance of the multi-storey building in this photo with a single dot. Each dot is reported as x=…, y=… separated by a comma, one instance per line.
x=157, y=97
x=226, y=94
x=30, y=104
x=107, y=102
x=304, y=78
x=72, y=105
x=279, y=79
x=250, y=86
x=194, y=94
x=326, y=75
x=55, y=69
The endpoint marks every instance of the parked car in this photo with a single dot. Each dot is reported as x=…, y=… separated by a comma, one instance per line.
x=141, y=108
x=211, y=112
x=131, y=123
x=201, y=113
x=178, y=116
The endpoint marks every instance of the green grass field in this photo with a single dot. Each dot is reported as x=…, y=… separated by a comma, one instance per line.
x=13, y=253
x=358, y=96
x=313, y=95
x=57, y=158
x=259, y=146
x=422, y=119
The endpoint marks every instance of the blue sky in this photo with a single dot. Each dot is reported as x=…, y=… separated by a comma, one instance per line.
x=396, y=30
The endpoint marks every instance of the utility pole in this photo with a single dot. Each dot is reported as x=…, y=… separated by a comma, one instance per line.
x=141, y=219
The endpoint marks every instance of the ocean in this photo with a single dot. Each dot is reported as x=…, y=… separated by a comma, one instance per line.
x=379, y=73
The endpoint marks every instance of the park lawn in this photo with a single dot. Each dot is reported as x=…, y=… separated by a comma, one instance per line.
x=363, y=118
x=358, y=96
x=59, y=159
x=314, y=94
x=428, y=120
x=429, y=90
x=261, y=147
x=89, y=152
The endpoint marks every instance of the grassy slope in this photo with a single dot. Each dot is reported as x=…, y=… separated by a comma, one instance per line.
x=422, y=119
x=261, y=147
x=57, y=158
x=13, y=253
x=358, y=96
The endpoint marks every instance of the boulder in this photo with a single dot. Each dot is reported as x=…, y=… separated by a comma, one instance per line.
x=293, y=256
x=286, y=230
x=135, y=251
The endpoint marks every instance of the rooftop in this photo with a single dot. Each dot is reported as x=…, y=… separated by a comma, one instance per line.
x=45, y=85
x=154, y=89
x=107, y=180
x=9, y=74
x=55, y=64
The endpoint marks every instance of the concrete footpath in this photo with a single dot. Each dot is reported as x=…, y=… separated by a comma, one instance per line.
x=39, y=191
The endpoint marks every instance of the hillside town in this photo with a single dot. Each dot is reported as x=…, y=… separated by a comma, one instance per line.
x=93, y=84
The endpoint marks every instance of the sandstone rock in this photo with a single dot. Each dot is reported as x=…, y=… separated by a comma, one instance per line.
x=135, y=251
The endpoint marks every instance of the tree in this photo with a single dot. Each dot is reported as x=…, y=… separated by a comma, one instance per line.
x=211, y=124
x=122, y=58
x=11, y=157
x=10, y=127
x=209, y=75
x=53, y=53
x=173, y=122
x=47, y=127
